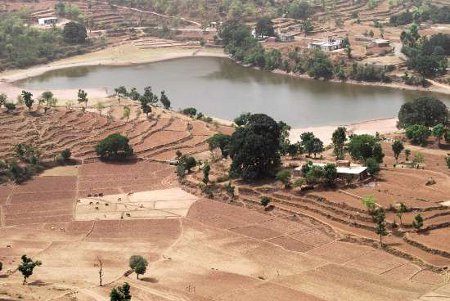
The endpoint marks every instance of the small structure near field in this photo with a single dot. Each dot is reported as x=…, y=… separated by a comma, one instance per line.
x=328, y=45
x=286, y=37
x=344, y=169
x=47, y=21
x=382, y=42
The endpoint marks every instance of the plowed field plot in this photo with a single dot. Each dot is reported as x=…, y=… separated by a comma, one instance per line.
x=435, y=239
x=140, y=205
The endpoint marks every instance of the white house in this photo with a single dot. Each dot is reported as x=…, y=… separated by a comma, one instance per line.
x=47, y=21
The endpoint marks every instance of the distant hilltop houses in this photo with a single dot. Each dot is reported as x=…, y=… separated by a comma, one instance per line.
x=328, y=45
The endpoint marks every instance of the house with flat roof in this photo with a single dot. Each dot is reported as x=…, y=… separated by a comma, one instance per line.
x=47, y=21
x=343, y=170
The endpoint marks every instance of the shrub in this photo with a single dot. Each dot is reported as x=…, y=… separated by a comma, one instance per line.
x=284, y=176
x=373, y=167
x=66, y=154
x=191, y=112
x=418, y=134
x=265, y=201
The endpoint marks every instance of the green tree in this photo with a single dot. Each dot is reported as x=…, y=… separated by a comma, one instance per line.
x=206, y=171
x=121, y=293
x=363, y=147
x=330, y=174
x=438, y=131
x=373, y=167
x=191, y=112
x=425, y=110
x=400, y=211
x=380, y=219
x=447, y=160
x=254, y=148
x=187, y=162
x=27, y=99
x=265, y=201
x=26, y=267
x=307, y=26
x=121, y=92
x=397, y=148
x=165, y=100
x=292, y=150
x=418, y=159
x=220, y=141
x=339, y=137
x=264, y=28
x=10, y=106
x=74, y=33
x=49, y=99
x=82, y=97
x=300, y=9
x=66, y=154
x=407, y=154
x=138, y=264
x=319, y=65
x=369, y=202
x=306, y=141
x=242, y=119
x=284, y=176
x=418, y=222
x=114, y=147
x=418, y=134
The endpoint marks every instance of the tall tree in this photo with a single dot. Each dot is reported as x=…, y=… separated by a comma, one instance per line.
x=74, y=33
x=380, y=224
x=82, y=97
x=26, y=267
x=339, y=137
x=3, y=99
x=418, y=222
x=438, y=131
x=397, y=148
x=254, y=148
x=264, y=28
x=138, y=264
x=27, y=99
x=164, y=100
x=121, y=293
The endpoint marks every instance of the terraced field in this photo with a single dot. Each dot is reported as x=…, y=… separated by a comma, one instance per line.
x=156, y=138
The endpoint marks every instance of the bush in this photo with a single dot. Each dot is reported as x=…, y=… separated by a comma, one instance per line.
x=66, y=154
x=373, y=167
x=447, y=160
x=284, y=176
x=418, y=134
x=191, y=112
x=265, y=201
x=10, y=106
x=114, y=147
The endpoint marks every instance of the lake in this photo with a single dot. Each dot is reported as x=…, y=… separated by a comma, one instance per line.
x=219, y=87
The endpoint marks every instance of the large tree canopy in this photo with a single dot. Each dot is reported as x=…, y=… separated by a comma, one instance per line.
x=114, y=147
x=425, y=110
x=254, y=148
x=363, y=147
x=74, y=33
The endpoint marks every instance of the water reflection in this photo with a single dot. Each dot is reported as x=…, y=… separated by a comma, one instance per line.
x=222, y=88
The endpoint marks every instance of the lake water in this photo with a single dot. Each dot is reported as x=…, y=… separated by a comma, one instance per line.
x=219, y=87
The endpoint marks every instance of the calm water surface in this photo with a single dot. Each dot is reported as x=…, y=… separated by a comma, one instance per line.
x=219, y=87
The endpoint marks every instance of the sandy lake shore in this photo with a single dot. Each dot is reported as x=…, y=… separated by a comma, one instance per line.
x=324, y=133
